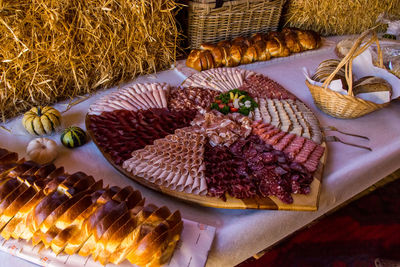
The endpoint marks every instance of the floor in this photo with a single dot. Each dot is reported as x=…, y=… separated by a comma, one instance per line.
x=363, y=232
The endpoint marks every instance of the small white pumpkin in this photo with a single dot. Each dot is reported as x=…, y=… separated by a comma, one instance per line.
x=42, y=150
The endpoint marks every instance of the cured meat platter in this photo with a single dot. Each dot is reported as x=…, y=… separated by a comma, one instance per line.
x=226, y=138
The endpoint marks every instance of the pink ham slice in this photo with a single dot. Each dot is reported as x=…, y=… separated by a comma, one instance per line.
x=299, y=149
x=305, y=152
x=283, y=143
x=313, y=161
x=275, y=139
x=294, y=147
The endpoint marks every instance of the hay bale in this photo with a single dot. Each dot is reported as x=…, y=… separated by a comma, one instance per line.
x=54, y=50
x=337, y=17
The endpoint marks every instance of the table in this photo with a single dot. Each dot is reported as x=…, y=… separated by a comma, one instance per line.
x=242, y=233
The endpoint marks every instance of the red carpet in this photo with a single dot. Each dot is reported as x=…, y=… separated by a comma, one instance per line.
x=355, y=235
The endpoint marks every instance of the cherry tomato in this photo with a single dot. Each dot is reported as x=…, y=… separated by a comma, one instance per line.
x=234, y=109
x=221, y=106
x=218, y=101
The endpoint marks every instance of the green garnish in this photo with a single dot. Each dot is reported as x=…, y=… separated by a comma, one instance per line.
x=244, y=111
x=225, y=110
x=234, y=101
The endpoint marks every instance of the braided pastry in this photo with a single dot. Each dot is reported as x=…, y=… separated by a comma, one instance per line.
x=76, y=214
x=259, y=47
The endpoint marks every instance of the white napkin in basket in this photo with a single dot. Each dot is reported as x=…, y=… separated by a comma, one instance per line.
x=363, y=66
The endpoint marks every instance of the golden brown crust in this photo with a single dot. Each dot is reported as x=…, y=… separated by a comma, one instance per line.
x=250, y=55
x=210, y=60
x=79, y=181
x=22, y=168
x=216, y=53
x=241, y=41
x=45, y=170
x=237, y=52
x=291, y=40
x=75, y=214
x=262, y=54
x=142, y=251
x=101, y=227
x=273, y=47
x=165, y=250
x=274, y=34
x=308, y=39
x=16, y=205
x=259, y=47
x=131, y=238
x=257, y=37
x=40, y=235
x=276, y=46
x=225, y=43
x=15, y=200
x=193, y=60
x=227, y=61
x=69, y=216
x=100, y=246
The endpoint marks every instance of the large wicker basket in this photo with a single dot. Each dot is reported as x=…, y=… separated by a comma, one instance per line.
x=215, y=20
x=347, y=106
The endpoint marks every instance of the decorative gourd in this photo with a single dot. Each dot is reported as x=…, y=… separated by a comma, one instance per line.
x=41, y=120
x=73, y=137
x=42, y=150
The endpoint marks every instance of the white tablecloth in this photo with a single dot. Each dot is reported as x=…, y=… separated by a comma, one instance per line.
x=242, y=233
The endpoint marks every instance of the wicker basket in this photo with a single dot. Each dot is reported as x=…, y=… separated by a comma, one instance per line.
x=215, y=20
x=347, y=106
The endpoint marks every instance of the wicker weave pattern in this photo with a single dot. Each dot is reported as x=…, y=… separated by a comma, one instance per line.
x=235, y=18
x=341, y=106
x=346, y=106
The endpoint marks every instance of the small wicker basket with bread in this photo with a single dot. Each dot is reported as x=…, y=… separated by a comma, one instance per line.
x=347, y=106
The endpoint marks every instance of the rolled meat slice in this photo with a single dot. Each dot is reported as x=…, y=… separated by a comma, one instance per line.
x=177, y=151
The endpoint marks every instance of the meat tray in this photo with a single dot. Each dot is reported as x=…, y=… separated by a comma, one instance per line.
x=170, y=118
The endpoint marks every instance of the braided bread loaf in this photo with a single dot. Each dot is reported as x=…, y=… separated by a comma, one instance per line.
x=76, y=214
x=259, y=47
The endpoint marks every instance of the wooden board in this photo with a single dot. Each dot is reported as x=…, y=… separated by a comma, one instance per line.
x=300, y=202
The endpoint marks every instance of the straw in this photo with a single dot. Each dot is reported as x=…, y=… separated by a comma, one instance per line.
x=337, y=17
x=55, y=50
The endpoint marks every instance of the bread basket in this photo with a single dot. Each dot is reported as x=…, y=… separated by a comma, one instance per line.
x=347, y=106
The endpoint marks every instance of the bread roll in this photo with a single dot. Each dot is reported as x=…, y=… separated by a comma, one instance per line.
x=237, y=53
x=250, y=55
x=308, y=39
x=216, y=52
x=193, y=60
x=291, y=40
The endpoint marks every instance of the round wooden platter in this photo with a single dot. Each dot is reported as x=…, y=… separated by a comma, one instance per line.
x=301, y=202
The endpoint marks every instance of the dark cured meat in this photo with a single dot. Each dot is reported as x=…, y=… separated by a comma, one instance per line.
x=262, y=86
x=191, y=98
x=226, y=173
x=298, y=149
x=252, y=167
x=120, y=132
